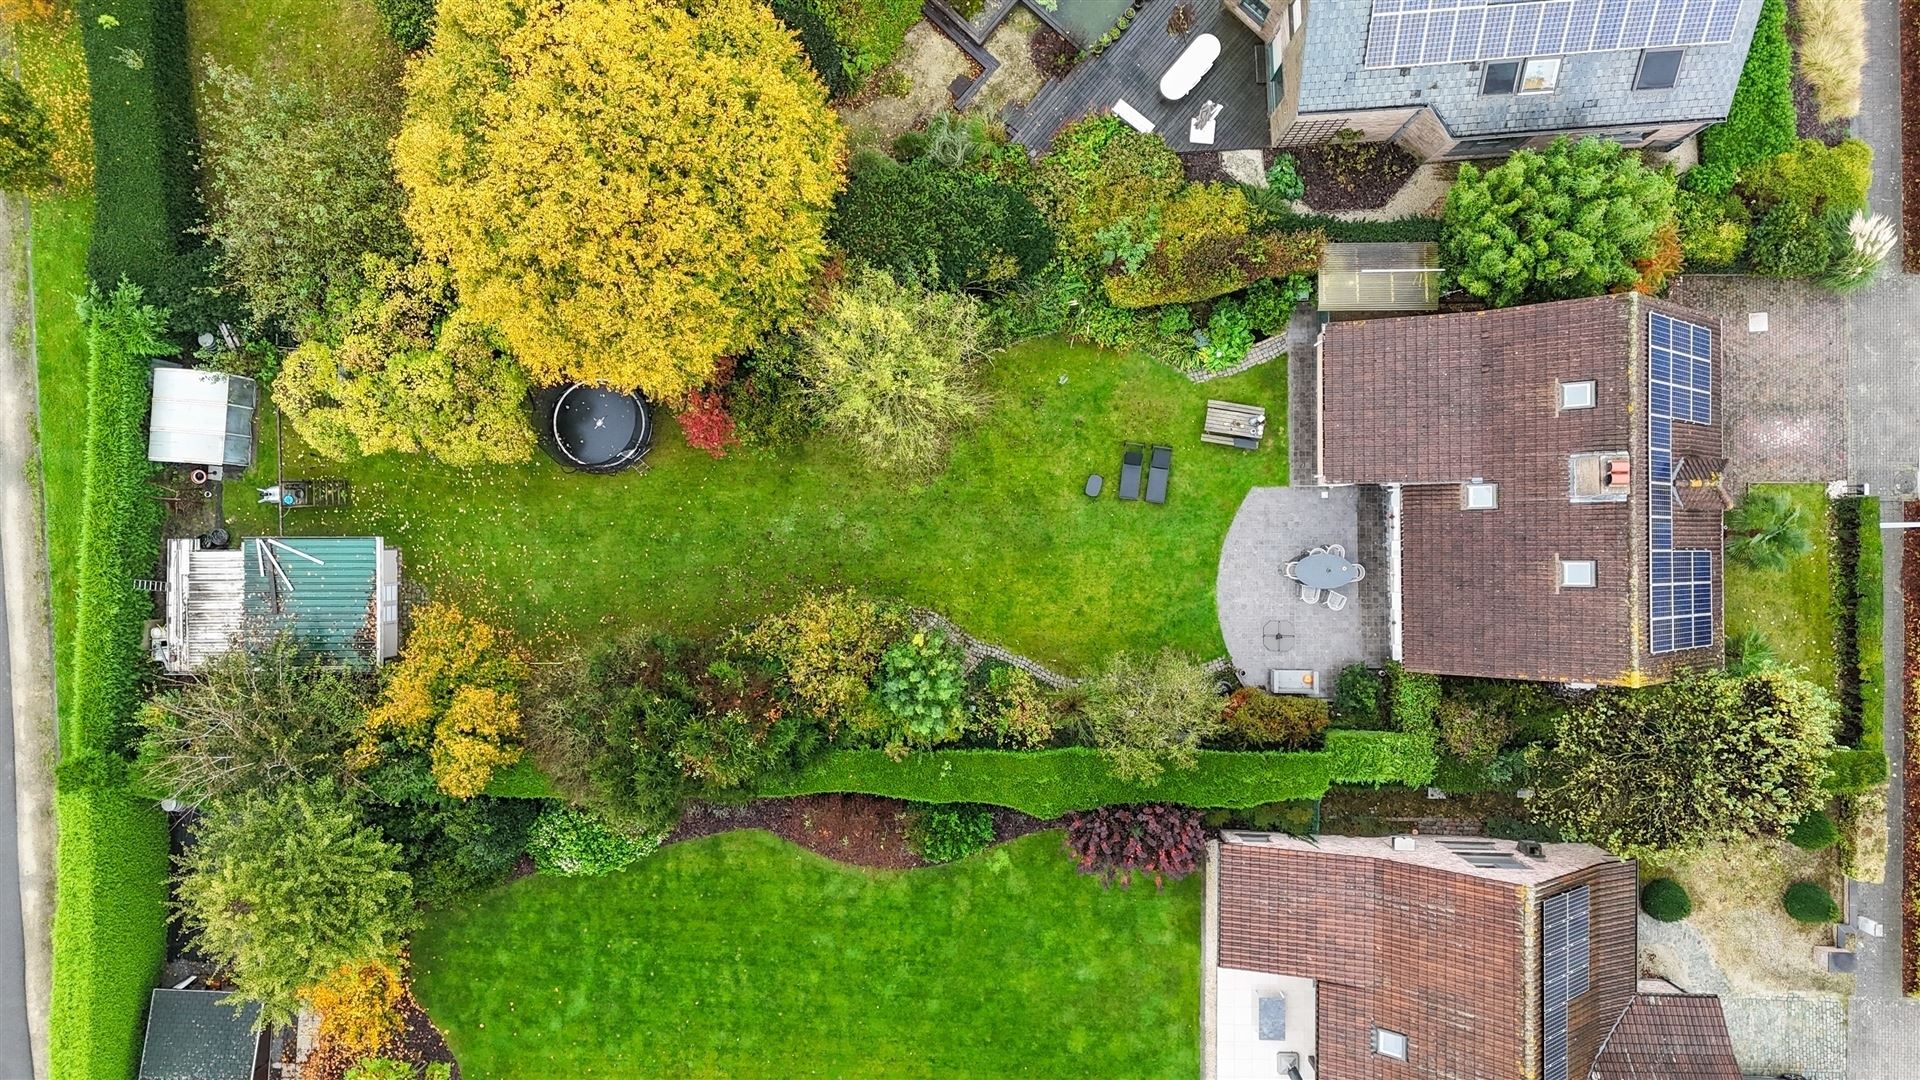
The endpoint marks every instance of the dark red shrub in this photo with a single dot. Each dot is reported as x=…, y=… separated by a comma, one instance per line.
x=1159, y=839
x=705, y=422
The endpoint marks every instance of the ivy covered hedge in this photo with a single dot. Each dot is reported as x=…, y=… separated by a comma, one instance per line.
x=143, y=141
x=1761, y=121
x=1048, y=783
x=109, y=927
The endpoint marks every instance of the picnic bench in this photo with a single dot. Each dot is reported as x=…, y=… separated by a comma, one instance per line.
x=1232, y=424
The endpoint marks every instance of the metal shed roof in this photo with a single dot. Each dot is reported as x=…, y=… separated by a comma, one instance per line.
x=1380, y=277
x=202, y=418
x=192, y=1036
x=320, y=589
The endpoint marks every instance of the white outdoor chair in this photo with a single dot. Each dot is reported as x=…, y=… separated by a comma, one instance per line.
x=1309, y=594
x=1288, y=570
x=1336, y=601
x=1359, y=572
x=1317, y=551
x=1337, y=551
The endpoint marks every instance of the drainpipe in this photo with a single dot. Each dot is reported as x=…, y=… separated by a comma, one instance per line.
x=1320, y=403
x=1393, y=569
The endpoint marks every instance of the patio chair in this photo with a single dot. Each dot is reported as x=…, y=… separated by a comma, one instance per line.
x=1317, y=551
x=1337, y=550
x=1157, y=471
x=1336, y=601
x=1130, y=475
x=1289, y=568
x=1309, y=594
x=1359, y=572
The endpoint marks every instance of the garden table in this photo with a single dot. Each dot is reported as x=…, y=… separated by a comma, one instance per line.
x=1326, y=570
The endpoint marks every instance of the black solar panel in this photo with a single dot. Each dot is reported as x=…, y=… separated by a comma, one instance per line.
x=1679, y=390
x=1563, y=973
x=1403, y=33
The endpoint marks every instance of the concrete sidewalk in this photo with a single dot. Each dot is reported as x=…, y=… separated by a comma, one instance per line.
x=28, y=744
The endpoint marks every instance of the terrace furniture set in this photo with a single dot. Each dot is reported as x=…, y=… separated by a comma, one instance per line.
x=1323, y=571
x=1232, y=424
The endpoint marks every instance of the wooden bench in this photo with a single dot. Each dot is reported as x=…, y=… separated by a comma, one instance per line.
x=1232, y=424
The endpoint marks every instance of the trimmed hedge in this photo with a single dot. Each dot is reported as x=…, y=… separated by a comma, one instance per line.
x=109, y=931
x=1666, y=900
x=1815, y=832
x=1809, y=902
x=1048, y=783
x=1407, y=230
x=1859, y=621
x=1761, y=121
x=1854, y=771
x=823, y=51
x=120, y=523
x=143, y=139
x=109, y=927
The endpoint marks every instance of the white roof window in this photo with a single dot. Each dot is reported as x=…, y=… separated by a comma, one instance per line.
x=1579, y=394
x=1577, y=573
x=1479, y=495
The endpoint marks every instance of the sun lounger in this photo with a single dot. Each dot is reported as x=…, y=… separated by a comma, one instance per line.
x=1157, y=474
x=1130, y=475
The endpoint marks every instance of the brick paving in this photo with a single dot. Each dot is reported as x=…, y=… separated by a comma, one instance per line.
x=1786, y=409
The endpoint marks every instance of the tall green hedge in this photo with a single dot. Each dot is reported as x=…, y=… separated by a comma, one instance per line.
x=109, y=926
x=143, y=139
x=109, y=931
x=1859, y=618
x=1850, y=772
x=1761, y=121
x=1048, y=783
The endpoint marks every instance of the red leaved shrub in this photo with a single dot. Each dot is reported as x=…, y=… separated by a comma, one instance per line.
x=706, y=423
x=1159, y=839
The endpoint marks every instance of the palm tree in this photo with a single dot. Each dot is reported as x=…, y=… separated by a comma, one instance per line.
x=1767, y=530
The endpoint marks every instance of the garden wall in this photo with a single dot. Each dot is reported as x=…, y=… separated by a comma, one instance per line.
x=1048, y=783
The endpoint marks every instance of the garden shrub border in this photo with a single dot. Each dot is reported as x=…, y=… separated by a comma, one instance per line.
x=1908, y=21
x=1910, y=764
x=1858, y=618
x=1049, y=783
x=1761, y=121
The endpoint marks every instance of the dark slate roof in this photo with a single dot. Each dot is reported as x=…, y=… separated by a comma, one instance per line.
x=191, y=1035
x=1131, y=68
x=1437, y=400
x=1669, y=1037
x=1442, y=953
x=1596, y=89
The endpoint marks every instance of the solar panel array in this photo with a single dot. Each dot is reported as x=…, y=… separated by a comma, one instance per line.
x=1563, y=972
x=1679, y=390
x=1403, y=33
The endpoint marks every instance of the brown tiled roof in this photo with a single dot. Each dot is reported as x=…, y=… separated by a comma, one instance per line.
x=1669, y=1037
x=1434, y=401
x=1448, y=958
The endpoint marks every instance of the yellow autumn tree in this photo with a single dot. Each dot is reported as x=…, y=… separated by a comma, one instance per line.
x=359, y=1006
x=626, y=189
x=454, y=695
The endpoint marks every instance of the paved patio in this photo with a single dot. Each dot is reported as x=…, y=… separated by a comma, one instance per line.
x=1131, y=68
x=1785, y=388
x=1275, y=525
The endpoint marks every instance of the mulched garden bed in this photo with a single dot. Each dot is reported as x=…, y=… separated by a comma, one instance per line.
x=1351, y=176
x=1204, y=167
x=1910, y=764
x=1910, y=128
x=1052, y=53
x=859, y=830
x=419, y=1042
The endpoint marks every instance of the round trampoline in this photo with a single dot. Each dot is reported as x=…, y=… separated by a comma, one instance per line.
x=599, y=430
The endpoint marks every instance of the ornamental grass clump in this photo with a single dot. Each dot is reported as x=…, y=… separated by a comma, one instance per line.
x=1153, y=839
x=1870, y=238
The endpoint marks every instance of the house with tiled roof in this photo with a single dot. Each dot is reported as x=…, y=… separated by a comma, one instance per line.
x=1479, y=78
x=1438, y=958
x=1553, y=479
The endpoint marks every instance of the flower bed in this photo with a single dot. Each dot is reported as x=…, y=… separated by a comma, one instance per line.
x=1910, y=679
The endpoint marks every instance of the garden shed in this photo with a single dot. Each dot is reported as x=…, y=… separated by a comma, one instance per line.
x=1380, y=277
x=192, y=1035
x=202, y=418
x=338, y=596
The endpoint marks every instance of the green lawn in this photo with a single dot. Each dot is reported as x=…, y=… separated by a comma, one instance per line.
x=299, y=38
x=743, y=956
x=61, y=227
x=1004, y=542
x=1793, y=608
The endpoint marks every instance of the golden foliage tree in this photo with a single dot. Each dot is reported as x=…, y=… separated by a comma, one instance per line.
x=454, y=694
x=359, y=1006
x=627, y=189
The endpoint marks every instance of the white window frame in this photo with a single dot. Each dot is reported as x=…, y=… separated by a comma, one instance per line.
x=1470, y=493
x=1294, y=17
x=1547, y=66
x=1590, y=387
x=1591, y=571
x=1389, y=1043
